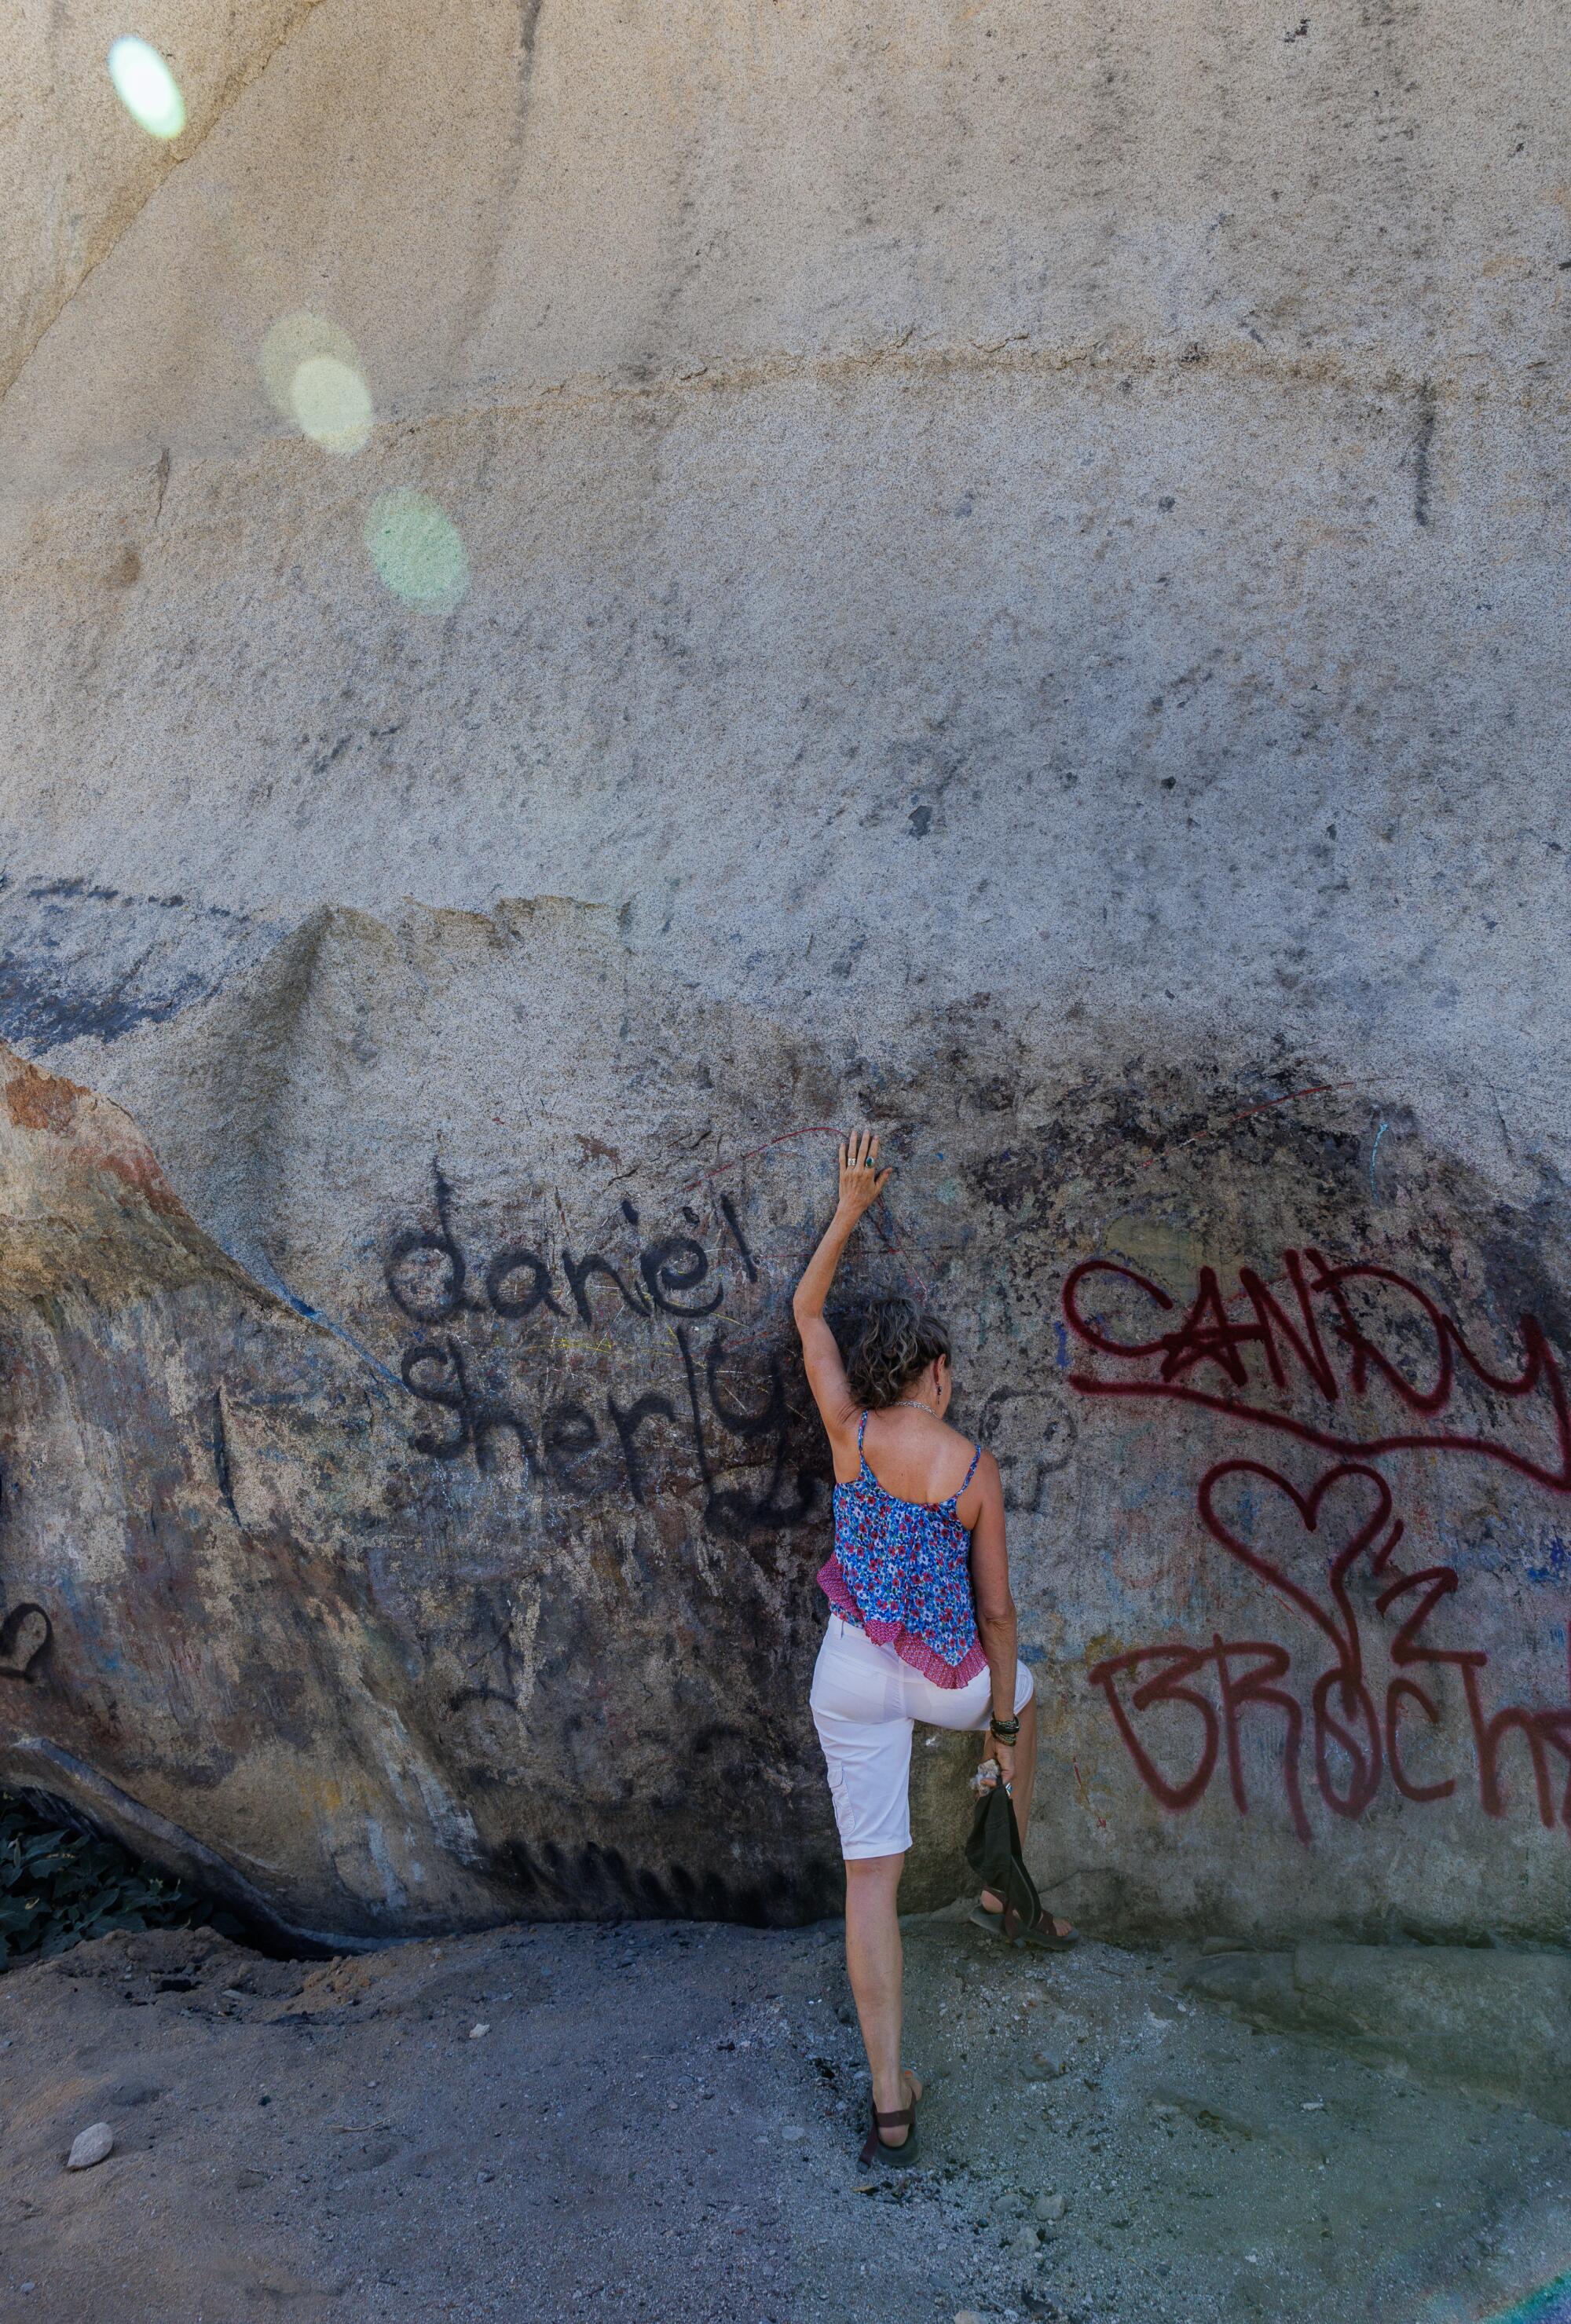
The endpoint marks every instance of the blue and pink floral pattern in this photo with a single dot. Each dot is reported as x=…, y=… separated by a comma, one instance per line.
x=902, y=1572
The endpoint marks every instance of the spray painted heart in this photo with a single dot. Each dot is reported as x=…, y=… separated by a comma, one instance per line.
x=1344, y=1711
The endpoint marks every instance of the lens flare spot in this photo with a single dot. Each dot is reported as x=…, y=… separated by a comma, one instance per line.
x=330, y=403
x=1549, y=2304
x=311, y=372
x=295, y=339
x=415, y=547
x=146, y=88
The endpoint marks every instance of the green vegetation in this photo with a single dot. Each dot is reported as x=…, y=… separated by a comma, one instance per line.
x=60, y=1888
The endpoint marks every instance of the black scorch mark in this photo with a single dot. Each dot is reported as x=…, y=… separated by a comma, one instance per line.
x=221, y=1467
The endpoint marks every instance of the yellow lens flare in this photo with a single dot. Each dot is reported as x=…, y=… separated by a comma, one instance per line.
x=416, y=549
x=146, y=88
x=332, y=403
x=311, y=372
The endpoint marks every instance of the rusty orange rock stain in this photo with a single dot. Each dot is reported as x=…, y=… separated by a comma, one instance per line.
x=36, y=1101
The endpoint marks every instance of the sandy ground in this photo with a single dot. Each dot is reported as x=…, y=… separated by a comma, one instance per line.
x=661, y=2122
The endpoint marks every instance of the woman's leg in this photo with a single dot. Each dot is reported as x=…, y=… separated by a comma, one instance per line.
x=874, y=1961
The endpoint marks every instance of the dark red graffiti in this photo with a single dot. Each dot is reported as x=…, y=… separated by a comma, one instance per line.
x=1263, y=1665
x=1315, y=1340
x=1354, y=1740
x=1542, y=1731
x=1344, y=1684
x=1340, y=1625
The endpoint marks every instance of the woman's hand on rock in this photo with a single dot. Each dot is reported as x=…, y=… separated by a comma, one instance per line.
x=861, y=1180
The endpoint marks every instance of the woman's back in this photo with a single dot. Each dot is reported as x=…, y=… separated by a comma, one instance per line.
x=914, y=1455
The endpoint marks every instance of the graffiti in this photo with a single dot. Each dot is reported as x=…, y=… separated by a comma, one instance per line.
x=23, y=1636
x=1320, y=1089
x=1352, y=1735
x=881, y=1219
x=729, y=1212
x=1292, y=1350
x=1019, y=1500
x=811, y=1129
x=591, y=1444
x=1354, y=1740
x=555, y=1449
x=426, y=1273
x=600, y=1882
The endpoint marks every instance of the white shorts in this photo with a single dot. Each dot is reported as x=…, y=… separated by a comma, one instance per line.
x=864, y=1700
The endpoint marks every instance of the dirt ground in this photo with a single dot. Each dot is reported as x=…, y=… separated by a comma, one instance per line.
x=661, y=2121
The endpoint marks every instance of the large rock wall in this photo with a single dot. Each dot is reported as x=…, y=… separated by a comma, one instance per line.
x=1015, y=574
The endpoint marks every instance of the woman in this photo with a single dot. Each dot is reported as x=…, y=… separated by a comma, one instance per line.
x=922, y=1625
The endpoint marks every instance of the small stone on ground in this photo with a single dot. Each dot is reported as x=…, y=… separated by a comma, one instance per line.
x=93, y=2144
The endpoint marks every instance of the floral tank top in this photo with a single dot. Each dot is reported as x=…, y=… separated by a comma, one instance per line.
x=902, y=1572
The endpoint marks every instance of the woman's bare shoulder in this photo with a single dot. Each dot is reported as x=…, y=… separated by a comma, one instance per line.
x=923, y=1447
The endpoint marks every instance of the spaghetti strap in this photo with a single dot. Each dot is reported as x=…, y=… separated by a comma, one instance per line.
x=970, y=1472
x=861, y=1430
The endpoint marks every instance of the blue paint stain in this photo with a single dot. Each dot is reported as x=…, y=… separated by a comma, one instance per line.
x=315, y=1315
x=1549, y=2304
x=1063, y=1346
x=1558, y=1566
x=1373, y=1151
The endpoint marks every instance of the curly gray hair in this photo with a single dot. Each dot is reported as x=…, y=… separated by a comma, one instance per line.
x=894, y=1342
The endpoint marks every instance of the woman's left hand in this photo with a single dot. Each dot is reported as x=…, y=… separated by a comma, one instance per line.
x=1004, y=1753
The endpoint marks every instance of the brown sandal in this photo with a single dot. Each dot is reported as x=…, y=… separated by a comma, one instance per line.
x=878, y=2149
x=1044, y=1938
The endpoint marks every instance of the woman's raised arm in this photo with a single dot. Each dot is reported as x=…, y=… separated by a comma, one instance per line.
x=861, y=1183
